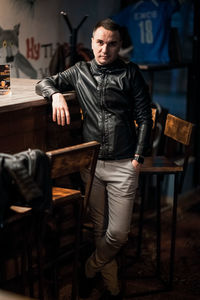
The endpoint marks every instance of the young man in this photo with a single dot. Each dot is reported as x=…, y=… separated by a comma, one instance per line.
x=111, y=94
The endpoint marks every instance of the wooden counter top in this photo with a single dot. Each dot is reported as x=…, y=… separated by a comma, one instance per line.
x=23, y=95
x=26, y=120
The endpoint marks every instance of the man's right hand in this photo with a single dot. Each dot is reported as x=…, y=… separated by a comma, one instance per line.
x=60, y=109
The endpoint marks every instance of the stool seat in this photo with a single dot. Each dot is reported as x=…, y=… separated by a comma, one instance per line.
x=59, y=195
x=20, y=209
x=159, y=164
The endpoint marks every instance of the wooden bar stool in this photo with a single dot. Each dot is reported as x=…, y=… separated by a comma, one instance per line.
x=179, y=131
x=65, y=162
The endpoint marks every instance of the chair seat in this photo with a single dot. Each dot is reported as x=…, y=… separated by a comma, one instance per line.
x=60, y=195
x=20, y=209
x=160, y=164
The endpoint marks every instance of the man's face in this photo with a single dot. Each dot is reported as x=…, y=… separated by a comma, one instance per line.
x=105, y=45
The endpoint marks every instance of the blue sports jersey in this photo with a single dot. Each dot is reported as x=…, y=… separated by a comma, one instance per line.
x=148, y=24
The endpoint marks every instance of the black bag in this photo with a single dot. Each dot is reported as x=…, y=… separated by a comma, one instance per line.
x=25, y=180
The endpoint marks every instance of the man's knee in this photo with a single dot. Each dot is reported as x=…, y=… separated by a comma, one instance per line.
x=116, y=238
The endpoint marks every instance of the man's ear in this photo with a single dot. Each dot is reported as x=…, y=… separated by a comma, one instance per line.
x=92, y=40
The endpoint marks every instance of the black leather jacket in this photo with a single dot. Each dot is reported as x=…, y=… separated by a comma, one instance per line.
x=111, y=98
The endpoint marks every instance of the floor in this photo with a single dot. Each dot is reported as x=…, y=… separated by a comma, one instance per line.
x=140, y=273
x=187, y=260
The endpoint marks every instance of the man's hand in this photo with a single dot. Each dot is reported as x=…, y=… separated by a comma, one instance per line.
x=136, y=165
x=60, y=109
x=137, y=161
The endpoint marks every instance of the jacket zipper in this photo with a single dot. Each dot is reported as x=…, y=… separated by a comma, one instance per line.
x=102, y=111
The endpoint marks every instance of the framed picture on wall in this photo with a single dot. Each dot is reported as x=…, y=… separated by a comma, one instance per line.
x=5, y=88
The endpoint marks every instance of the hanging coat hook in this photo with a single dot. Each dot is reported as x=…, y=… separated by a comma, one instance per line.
x=73, y=36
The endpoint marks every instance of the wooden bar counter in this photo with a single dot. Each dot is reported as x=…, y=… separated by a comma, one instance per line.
x=26, y=120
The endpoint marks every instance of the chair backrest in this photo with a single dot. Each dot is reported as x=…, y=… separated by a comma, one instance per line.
x=180, y=132
x=154, y=112
x=154, y=115
x=178, y=129
x=73, y=159
x=154, y=135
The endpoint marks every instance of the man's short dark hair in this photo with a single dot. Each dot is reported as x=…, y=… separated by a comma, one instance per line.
x=108, y=24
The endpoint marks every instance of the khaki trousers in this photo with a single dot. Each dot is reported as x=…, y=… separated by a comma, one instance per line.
x=111, y=208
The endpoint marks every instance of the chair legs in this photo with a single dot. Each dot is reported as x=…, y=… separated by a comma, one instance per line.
x=14, y=244
x=75, y=280
x=169, y=282
x=158, y=220
x=55, y=262
x=39, y=242
x=141, y=217
x=158, y=226
x=35, y=244
x=173, y=231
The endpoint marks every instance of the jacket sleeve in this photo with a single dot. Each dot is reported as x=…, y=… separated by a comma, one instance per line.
x=142, y=110
x=59, y=83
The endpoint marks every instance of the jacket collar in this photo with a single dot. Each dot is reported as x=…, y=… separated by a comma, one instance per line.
x=118, y=64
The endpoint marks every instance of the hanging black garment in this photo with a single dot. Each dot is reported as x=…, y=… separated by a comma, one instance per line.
x=24, y=181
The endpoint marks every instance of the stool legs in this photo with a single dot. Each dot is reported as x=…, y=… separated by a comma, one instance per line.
x=169, y=283
x=144, y=196
x=173, y=231
x=158, y=225
x=74, y=294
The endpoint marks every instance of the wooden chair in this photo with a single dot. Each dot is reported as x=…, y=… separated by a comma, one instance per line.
x=64, y=162
x=180, y=131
